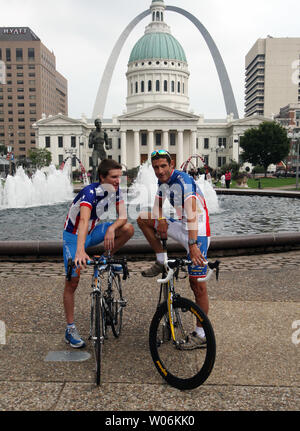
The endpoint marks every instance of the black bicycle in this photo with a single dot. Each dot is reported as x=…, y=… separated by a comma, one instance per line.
x=181, y=364
x=107, y=301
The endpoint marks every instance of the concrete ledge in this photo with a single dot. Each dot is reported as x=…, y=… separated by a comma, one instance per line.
x=139, y=248
x=280, y=193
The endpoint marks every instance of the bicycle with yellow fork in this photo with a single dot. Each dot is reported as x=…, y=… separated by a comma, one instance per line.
x=182, y=365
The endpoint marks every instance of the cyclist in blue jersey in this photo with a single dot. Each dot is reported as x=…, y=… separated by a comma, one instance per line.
x=83, y=228
x=189, y=226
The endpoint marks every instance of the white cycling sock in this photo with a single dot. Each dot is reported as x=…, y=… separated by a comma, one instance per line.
x=200, y=331
x=160, y=257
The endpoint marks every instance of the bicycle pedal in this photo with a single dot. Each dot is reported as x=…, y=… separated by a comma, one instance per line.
x=123, y=303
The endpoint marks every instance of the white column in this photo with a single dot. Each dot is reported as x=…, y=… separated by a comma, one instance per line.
x=123, y=148
x=180, y=149
x=194, y=141
x=136, y=143
x=166, y=140
x=150, y=143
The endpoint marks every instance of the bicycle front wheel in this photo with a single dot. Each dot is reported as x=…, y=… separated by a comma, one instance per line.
x=117, y=305
x=98, y=336
x=181, y=363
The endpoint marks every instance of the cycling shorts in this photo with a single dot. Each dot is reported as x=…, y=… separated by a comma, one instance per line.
x=179, y=233
x=70, y=243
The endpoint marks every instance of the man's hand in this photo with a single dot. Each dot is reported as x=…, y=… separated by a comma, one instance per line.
x=109, y=239
x=196, y=256
x=162, y=229
x=80, y=258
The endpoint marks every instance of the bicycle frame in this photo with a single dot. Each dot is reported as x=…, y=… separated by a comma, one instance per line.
x=168, y=282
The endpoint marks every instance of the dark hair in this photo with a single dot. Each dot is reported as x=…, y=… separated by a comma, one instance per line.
x=162, y=156
x=106, y=165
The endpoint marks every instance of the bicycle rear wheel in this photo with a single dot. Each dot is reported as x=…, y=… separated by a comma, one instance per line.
x=117, y=305
x=181, y=368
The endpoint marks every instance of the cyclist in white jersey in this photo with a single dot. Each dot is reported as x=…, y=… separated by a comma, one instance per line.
x=190, y=227
x=83, y=229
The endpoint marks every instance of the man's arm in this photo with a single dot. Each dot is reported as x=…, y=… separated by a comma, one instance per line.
x=109, y=239
x=162, y=226
x=81, y=256
x=190, y=207
x=107, y=144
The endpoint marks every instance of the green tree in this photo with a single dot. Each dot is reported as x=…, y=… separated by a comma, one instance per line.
x=40, y=157
x=265, y=145
x=3, y=149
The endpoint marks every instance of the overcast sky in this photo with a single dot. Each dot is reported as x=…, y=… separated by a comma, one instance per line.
x=82, y=35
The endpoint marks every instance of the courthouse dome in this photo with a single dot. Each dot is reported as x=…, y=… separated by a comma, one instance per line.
x=161, y=46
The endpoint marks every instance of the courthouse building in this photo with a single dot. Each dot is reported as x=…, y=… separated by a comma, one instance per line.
x=157, y=114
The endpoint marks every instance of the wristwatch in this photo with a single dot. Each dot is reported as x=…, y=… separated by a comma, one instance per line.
x=192, y=241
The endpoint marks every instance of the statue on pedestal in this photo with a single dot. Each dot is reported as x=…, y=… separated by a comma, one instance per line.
x=97, y=139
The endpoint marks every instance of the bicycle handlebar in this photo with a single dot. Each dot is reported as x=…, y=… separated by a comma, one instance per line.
x=172, y=264
x=100, y=260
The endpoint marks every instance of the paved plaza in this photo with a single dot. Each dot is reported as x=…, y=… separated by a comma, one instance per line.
x=254, y=309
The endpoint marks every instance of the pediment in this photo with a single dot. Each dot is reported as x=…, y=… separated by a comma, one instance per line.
x=254, y=119
x=159, y=112
x=58, y=120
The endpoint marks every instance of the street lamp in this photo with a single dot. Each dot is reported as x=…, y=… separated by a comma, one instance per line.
x=295, y=136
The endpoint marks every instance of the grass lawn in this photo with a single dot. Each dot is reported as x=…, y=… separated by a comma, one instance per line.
x=267, y=182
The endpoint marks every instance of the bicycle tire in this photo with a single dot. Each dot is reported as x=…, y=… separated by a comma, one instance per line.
x=117, y=305
x=98, y=336
x=169, y=358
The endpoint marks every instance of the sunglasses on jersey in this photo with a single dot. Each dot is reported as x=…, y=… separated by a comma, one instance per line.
x=160, y=153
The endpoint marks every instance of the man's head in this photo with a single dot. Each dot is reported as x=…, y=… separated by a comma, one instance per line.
x=98, y=123
x=162, y=164
x=110, y=172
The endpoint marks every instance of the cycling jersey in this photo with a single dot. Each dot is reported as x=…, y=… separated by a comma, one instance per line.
x=179, y=188
x=99, y=198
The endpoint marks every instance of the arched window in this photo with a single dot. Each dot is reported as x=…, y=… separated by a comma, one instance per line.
x=149, y=85
x=153, y=16
x=165, y=85
x=157, y=85
x=157, y=16
x=136, y=87
x=142, y=86
x=178, y=87
x=173, y=86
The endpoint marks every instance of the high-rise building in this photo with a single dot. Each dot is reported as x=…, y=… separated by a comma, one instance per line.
x=29, y=87
x=272, y=75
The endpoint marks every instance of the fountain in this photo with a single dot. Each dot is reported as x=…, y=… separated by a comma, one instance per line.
x=142, y=191
x=20, y=191
x=34, y=209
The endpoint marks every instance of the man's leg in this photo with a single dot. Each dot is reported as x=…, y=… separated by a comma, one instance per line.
x=95, y=166
x=122, y=235
x=146, y=224
x=69, y=249
x=68, y=298
x=201, y=296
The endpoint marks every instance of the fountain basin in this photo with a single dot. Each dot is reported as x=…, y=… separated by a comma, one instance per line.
x=139, y=249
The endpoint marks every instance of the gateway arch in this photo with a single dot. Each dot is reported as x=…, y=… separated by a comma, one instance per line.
x=230, y=104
